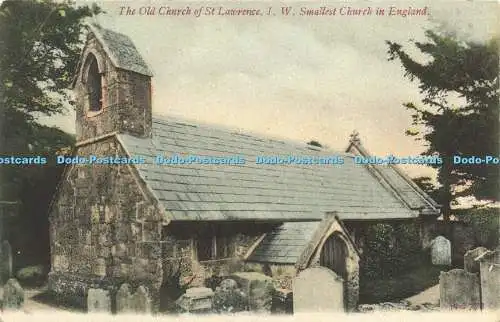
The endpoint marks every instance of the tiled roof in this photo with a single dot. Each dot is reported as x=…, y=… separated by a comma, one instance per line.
x=285, y=244
x=405, y=188
x=121, y=50
x=414, y=196
x=251, y=191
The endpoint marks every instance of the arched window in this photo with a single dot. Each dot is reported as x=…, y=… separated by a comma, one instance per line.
x=94, y=85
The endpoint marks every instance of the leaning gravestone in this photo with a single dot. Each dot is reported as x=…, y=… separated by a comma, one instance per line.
x=318, y=289
x=459, y=290
x=13, y=295
x=98, y=301
x=471, y=265
x=441, y=251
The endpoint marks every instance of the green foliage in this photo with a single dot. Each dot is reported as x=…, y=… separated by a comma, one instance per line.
x=469, y=70
x=412, y=282
x=230, y=301
x=485, y=223
x=315, y=143
x=40, y=44
x=426, y=184
x=30, y=273
x=390, y=250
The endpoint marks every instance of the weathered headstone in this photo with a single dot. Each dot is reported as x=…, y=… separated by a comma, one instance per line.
x=141, y=301
x=196, y=300
x=318, y=289
x=258, y=288
x=459, y=290
x=123, y=299
x=441, y=251
x=471, y=265
x=98, y=301
x=13, y=295
x=490, y=280
x=5, y=261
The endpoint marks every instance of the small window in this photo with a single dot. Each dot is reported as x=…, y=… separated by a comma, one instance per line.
x=214, y=247
x=94, y=85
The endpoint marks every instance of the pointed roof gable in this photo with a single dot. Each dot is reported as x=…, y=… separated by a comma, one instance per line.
x=121, y=50
x=401, y=184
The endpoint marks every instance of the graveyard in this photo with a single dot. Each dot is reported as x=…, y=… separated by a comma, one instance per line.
x=474, y=287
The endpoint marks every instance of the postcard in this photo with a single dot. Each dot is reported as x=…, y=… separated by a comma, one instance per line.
x=248, y=160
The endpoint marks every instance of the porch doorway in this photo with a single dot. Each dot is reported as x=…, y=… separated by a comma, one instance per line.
x=333, y=256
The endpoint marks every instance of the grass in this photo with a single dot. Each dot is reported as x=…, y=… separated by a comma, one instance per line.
x=401, y=287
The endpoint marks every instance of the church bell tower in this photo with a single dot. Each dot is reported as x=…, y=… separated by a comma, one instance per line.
x=112, y=87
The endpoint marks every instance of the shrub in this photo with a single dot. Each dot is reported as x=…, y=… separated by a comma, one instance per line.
x=31, y=275
x=485, y=223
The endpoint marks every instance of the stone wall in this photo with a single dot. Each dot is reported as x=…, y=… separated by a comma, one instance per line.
x=178, y=252
x=126, y=99
x=103, y=224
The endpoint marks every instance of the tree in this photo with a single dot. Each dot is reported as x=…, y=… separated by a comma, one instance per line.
x=426, y=184
x=40, y=44
x=469, y=72
x=315, y=143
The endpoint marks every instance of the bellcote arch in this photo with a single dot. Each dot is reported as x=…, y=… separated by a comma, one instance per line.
x=92, y=75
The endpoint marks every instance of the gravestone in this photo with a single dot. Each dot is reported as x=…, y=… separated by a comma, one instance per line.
x=141, y=301
x=441, y=251
x=490, y=280
x=138, y=302
x=13, y=295
x=258, y=288
x=98, y=301
x=471, y=265
x=123, y=299
x=5, y=262
x=459, y=290
x=318, y=289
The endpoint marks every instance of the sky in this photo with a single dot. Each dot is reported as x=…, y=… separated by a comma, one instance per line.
x=299, y=78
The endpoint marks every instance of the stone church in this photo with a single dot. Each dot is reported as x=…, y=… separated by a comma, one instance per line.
x=144, y=223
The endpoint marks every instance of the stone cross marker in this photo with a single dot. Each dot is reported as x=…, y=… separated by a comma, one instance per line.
x=98, y=301
x=441, y=251
x=318, y=289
